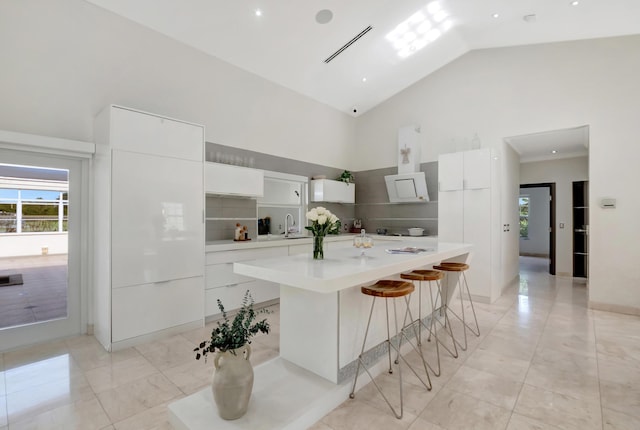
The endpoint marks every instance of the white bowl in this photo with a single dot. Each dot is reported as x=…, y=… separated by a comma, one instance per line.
x=416, y=231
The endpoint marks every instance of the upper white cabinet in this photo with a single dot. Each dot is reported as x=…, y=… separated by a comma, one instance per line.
x=477, y=169
x=152, y=134
x=225, y=179
x=148, y=257
x=281, y=192
x=450, y=172
x=327, y=190
x=469, y=170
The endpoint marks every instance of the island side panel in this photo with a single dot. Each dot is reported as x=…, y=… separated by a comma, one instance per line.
x=309, y=330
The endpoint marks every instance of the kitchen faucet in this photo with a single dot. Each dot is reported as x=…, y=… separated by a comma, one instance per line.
x=286, y=224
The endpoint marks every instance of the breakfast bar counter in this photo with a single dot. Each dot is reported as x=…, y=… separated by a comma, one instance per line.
x=322, y=314
x=322, y=322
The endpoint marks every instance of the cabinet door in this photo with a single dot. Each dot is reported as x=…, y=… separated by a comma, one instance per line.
x=150, y=134
x=477, y=231
x=450, y=216
x=157, y=228
x=477, y=169
x=224, y=179
x=450, y=172
x=147, y=308
x=281, y=192
x=327, y=190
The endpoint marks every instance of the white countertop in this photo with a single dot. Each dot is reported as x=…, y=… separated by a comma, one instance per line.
x=345, y=268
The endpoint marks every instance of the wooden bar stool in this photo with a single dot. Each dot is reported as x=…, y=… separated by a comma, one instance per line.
x=461, y=268
x=431, y=276
x=389, y=289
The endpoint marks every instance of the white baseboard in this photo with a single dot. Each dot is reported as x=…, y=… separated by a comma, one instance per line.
x=128, y=343
x=609, y=307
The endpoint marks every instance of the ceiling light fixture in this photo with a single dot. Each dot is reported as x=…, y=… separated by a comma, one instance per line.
x=420, y=29
x=554, y=151
x=496, y=15
x=574, y=3
x=364, y=79
x=258, y=12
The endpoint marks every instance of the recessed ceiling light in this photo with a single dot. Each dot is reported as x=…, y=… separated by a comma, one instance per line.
x=258, y=12
x=364, y=79
x=554, y=151
x=574, y=3
x=496, y=15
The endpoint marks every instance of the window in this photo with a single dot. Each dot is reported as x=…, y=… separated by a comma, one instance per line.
x=524, y=216
x=32, y=211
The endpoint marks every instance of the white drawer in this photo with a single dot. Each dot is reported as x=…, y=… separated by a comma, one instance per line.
x=219, y=275
x=244, y=254
x=231, y=296
x=147, y=308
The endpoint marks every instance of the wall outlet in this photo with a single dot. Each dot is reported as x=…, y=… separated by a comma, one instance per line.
x=561, y=225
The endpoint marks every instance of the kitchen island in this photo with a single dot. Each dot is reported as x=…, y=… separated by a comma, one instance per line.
x=323, y=315
x=322, y=321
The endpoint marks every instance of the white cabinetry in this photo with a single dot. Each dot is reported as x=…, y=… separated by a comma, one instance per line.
x=469, y=212
x=148, y=226
x=225, y=179
x=327, y=190
x=223, y=284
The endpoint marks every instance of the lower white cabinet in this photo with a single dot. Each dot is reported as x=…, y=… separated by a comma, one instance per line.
x=147, y=308
x=222, y=283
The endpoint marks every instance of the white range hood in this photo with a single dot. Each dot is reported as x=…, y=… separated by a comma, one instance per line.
x=407, y=188
x=410, y=184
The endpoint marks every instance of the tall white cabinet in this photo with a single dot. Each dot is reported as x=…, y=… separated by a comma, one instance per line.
x=148, y=266
x=469, y=212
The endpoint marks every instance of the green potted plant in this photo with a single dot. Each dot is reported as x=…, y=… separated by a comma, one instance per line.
x=233, y=375
x=346, y=177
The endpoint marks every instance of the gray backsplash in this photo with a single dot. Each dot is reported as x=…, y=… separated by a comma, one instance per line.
x=374, y=209
x=372, y=202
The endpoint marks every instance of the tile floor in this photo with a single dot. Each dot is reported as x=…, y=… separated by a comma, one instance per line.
x=43, y=293
x=543, y=361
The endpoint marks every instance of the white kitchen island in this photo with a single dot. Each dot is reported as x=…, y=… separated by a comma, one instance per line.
x=323, y=316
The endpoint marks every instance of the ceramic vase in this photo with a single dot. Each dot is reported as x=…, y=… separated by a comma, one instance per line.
x=232, y=382
x=318, y=250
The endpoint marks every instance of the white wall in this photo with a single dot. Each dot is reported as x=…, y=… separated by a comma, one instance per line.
x=520, y=90
x=563, y=172
x=63, y=61
x=537, y=241
x=20, y=245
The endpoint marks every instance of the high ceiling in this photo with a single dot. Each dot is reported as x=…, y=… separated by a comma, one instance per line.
x=285, y=43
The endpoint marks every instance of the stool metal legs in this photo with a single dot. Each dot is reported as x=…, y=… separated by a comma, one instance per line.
x=465, y=325
x=390, y=345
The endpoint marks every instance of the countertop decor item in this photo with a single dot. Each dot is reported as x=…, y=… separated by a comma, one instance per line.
x=347, y=177
x=233, y=374
x=416, y=231
x=323, y=222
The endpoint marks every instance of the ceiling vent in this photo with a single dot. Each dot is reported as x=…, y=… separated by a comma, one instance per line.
x=348, y=44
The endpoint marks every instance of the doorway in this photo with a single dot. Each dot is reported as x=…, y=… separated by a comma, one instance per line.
x=537, y=221
x=40, y=247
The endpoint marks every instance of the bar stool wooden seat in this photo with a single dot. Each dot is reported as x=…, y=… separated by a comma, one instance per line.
x=431, y=276
x=390, y=290
x=453, y=267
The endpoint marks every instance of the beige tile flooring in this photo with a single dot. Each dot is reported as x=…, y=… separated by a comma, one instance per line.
x=543, y=361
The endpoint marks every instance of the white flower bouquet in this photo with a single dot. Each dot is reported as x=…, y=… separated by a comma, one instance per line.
x=323, y=222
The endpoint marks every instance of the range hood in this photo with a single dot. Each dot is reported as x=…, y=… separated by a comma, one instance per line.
x=407, y=188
